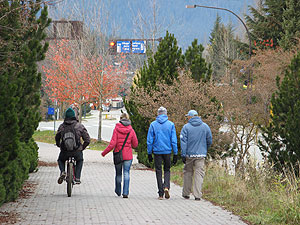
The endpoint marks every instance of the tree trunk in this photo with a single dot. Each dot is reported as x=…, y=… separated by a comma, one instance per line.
x=80, y=113
x=100, y=120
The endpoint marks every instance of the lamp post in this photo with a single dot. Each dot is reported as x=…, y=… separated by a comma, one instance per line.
x=212, y=7
x=248, y=33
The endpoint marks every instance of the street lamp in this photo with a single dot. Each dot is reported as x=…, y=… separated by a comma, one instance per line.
x=211, y=7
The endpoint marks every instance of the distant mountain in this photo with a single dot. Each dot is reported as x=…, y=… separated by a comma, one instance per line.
x=172, y=15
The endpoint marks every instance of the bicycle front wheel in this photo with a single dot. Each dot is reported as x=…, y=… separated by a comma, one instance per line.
x=70, y=179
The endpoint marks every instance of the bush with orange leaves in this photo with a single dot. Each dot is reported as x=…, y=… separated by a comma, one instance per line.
x=185, y=94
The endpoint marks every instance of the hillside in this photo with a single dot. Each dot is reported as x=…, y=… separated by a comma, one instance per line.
x=171, y=15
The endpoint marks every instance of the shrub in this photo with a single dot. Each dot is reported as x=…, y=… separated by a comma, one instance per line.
x=281, y=136
x=163, y=69
x=20, y=84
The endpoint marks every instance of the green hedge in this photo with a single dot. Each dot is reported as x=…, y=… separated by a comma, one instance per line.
x=20, y=86
x=15, y=172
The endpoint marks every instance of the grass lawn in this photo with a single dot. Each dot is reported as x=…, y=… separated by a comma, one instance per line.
x=47, y=136
x=260, y=199
x=99, y=146
x=177, y=174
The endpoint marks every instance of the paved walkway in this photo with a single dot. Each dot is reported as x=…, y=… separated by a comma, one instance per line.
x=94, y=201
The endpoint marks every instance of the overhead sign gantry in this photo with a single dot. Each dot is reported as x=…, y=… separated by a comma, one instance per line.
x=129, y=46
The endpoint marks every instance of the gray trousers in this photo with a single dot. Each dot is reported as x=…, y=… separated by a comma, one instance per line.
x=193, y=174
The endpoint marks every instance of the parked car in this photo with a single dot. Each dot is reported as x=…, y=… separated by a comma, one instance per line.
x=105, y=108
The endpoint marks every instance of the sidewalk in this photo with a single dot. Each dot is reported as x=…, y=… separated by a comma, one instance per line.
x=94, y=201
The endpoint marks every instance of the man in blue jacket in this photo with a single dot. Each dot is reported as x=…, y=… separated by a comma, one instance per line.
x=161, y=140
x=195, y=139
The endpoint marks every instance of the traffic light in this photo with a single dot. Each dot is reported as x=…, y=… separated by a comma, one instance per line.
x=113, y=47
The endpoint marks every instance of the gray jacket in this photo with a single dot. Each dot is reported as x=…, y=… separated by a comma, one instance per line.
x=195, y=138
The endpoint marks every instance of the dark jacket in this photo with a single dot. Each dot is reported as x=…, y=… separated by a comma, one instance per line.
x=80, y=130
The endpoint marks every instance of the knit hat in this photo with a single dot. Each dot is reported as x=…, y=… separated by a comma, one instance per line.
x=162, y=110
x=192, y=113
x=70, y=113
x=124, y=116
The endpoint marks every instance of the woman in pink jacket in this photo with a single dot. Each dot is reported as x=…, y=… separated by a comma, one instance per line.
x=119, y=135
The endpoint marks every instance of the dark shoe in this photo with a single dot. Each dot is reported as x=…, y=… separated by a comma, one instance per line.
x=125, y=196
x=77, y=181
x=119, y=194
x=197, y=199
x=167, y=194
x=62, y=177
x=186, y=197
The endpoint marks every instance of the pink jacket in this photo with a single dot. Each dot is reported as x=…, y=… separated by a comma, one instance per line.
x=120, y=132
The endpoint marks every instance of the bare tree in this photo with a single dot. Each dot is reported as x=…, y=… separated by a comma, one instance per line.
x=92, y=44
x=241, y=119
x=247, y=106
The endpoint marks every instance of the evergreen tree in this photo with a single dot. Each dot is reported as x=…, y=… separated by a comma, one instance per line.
x=162, y=67
x=216, y=41
x=275, y=20
x=30, y=79
x=290, y=24
x=21, y=35
x=223, y=49
x=196, y=63
x=265, y=23
x=281, y=137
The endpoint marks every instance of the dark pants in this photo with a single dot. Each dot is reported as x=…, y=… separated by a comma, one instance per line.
x=166, y=159
x=64, y=156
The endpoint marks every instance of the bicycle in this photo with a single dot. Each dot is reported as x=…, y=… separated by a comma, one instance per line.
x=70, y=179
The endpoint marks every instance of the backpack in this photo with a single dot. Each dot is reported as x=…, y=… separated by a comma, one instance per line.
x=69, y=138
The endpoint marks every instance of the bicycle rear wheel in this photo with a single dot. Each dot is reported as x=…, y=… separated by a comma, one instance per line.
x=70, y=179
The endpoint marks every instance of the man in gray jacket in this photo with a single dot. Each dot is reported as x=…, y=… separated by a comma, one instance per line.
x=195, y=139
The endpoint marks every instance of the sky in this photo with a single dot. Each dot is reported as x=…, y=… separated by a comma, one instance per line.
x=121, y=17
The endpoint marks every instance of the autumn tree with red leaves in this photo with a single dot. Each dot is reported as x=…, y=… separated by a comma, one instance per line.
x=76, y=76
x=66, y=78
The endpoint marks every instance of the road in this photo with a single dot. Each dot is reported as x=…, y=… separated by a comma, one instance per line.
x=91, y=123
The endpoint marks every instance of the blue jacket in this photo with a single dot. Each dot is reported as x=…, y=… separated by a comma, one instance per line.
x=195, y=138
x=161, y=138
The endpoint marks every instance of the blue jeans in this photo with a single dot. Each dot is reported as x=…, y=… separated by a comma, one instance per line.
x=118, y=179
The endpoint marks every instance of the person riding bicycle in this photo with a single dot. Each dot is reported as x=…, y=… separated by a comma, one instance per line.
x=71, y=131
